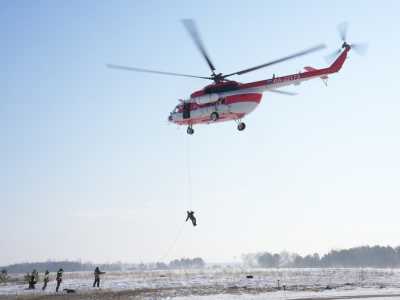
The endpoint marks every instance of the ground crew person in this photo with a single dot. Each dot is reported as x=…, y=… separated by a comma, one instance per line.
x=3, y=275
x=45, y=280
x=36, y=275
x=59, y=278
x=33, y=278
x=31, y=281
x=97, y=274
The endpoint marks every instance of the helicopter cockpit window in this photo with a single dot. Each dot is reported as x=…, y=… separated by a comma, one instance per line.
x=176, y=109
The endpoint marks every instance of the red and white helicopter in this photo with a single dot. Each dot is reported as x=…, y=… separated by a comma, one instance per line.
x=226, y=100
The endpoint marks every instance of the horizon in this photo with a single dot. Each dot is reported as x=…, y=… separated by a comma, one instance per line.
x=240, y=261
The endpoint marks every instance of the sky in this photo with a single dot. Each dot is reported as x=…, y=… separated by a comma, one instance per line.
x=91, y=170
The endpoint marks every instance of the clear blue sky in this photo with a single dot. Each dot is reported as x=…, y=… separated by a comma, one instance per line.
x=90, y=168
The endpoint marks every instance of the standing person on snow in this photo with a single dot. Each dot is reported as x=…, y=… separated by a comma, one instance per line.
x=36, y=275
x=59, y=278
x=45, y=280
x=190, y=215
x=97, y=274
x=33, y=279
x=3, y=275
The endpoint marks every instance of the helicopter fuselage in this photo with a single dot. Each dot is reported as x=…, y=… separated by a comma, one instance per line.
x=233, y=107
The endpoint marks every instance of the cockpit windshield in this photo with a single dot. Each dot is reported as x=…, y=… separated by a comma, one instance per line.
x=176, y=109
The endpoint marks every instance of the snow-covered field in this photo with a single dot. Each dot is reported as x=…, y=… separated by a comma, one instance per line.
x=226, y=283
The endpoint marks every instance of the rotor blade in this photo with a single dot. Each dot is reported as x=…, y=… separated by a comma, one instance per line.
x=282, y=92
x=301, y=53
x=194, y=33
x=342, y=28
x=331, y=57
x=153, y=71
x=360, y=48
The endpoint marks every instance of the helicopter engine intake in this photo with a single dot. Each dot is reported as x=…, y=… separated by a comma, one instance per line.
x=207, y=98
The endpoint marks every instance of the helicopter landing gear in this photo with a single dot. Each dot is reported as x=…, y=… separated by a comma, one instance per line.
x=190, y=130
x=214, y=116
x=241, y=126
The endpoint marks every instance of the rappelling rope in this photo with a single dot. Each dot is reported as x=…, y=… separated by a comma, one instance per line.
x=189, y=174
x=188, y=201
x=170, y=248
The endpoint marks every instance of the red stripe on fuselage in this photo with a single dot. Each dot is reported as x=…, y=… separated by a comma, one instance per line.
x=243, y=98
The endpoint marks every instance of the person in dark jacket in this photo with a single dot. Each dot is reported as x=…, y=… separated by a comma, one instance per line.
x=33, y=278
x=31, y=282
x=36, y=275
x=190, y=215
x=59, y=278
x=97, y=274
x=3, y=275
x=45, y=279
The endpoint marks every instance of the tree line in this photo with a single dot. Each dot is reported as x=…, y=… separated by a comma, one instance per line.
x=365, y=256
x=75, y=266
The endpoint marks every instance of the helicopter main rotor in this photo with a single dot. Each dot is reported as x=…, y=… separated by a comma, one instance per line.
x=191, y=28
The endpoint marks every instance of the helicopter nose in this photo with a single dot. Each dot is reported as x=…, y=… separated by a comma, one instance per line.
x=170, y=118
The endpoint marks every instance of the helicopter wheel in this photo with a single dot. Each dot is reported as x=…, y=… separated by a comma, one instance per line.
x=214, y=116
x=190, y=130
x=241, y=126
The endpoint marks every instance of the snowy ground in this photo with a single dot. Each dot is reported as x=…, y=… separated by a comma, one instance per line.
x=227, y=283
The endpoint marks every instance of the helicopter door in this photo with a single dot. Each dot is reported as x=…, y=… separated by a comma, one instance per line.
x=186, y=110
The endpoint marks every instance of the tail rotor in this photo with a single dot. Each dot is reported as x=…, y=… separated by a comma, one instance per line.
x=359, y=48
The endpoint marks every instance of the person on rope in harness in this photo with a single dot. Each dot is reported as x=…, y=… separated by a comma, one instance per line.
x=59, y=278
x=190, y=215
x=97, y=274
x=45, y=279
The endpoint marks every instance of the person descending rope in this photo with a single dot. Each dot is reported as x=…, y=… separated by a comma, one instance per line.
x=190, y=215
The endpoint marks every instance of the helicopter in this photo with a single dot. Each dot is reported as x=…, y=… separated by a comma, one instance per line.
x=228, y=100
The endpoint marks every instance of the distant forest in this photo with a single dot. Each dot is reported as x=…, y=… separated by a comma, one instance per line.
x=359, y=257
x=366, y=256
x=73, y=266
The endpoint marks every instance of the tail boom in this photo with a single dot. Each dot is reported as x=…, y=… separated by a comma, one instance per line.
x=311, y=73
